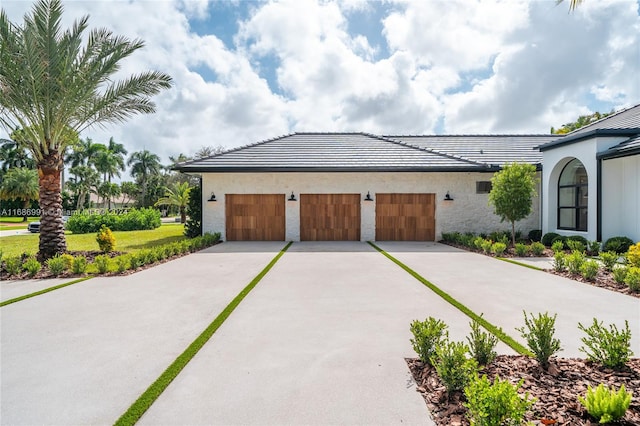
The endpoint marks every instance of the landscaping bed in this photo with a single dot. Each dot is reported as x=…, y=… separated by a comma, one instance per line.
x=556, y=390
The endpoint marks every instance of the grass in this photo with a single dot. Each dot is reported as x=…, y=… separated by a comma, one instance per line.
x=496, y=331
x=515, y=262
x=9, y=223
x=126, y=241
x=46, y=290
x=148, y=397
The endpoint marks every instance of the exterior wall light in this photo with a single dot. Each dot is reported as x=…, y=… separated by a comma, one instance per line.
x=368, y=197
x=213, y=197
x=447, y=197
x=292, y=197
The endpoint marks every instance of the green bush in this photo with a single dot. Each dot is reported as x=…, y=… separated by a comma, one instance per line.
x=136, y=260
x=593, y=248
x=557, y=246
x=79, y=265
x=122, y=263
x=477, y=242
x=102, y=263
x=610, y=347
x=589, y=269
x=452, y=365
x=498, y=248
x=609, y=259
x=32, y=266
x=582, y=240
x=619, y=274
x=13, y=265
x=427, y=335
x=133, y=220
x=57, y=265
x=575, y=261
x=481, y=344
x=559, y=261
x=604, y=404
x=538, y=332
x=193, y=227
x=618, y=244
x=632, y=279
x=633, y=255
x=521, y=249
x=486, y=246
x=495, y=404
x=574, y=245
x=547, y=239
x=535, y=235
x=105, y=239
x=560, y=238
x=500, y=236
x=537, y=249
x=68, y=260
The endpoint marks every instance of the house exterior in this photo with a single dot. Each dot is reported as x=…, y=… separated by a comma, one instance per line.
x=591, y=179
x=358, y=186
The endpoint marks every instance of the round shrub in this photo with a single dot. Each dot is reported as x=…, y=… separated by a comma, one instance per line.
x=561, y=238
x=633, y=256
x=547, y=239
x=57, y=265
x=105, y=239
x=618, y=244
x=535, y=234
x=32, y=266
x=578, y=238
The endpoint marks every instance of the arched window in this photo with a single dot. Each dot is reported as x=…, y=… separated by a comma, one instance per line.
x=573, y=197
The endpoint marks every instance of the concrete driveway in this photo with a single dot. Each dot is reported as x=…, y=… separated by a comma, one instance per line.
x=320, y=340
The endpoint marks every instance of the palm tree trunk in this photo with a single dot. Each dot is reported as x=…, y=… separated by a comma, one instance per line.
x=183, y=215
x=52, y=240
x=25, y=207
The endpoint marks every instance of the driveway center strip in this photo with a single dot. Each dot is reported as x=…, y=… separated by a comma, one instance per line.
x=46, y=290
x=142, y=404
x=498, y=332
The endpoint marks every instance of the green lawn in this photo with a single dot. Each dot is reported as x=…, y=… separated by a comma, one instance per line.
x=7, y=223
x=125, y=241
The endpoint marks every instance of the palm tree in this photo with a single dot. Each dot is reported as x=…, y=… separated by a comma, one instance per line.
x=20, y=184
x=12, y=155
x=143, y=165
x=573, y=4
x=178, y=196
x=52, y=81
x=110, y=162
x=85, y=181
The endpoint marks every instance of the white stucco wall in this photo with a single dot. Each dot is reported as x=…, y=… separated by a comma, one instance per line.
x=621, y=197
x=469, y=212
x=553, y=162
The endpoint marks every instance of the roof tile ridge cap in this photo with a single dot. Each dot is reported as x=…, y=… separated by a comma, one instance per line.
x=433, y=151
x=616, y=113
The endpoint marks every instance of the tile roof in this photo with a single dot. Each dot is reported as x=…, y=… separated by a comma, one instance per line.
x=362, y=151
x=629, y=147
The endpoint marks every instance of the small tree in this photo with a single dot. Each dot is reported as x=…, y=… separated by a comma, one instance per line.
x=177, y=196
x=20, y=184
x=193, y=227
x=513, y=190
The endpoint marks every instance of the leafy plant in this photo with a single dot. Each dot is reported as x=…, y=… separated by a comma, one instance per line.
x=521, y=249
x=427, y=335
x=68, y=260
x=557, y=246
x=593, y=248
x=604, y=404
x=632, y=279
x=535, y=235
x=136, y=260
x=106, y=240
x=193, y=227
x=618, y=244
x=619, y=274
x=453, y=366
x=13, y=265
x=560, y=238
x=102, y=263
x=633, y=255
x=134, y=219
x=57, y=265
x=477, y=242
x=610, y=347
x=589, y=269
x=609, y=259
x=79, y=265
x=481, y=344
x=575, y=261
x=537, y=248
x=575, y=245
x=122, y=263
x=538, y=332
x=486, y=246
x=559, y=261
x=495, y=404
x=32, y=266
x=547, y=239
x=498, y=248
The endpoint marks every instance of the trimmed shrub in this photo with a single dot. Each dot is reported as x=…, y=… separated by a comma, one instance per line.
x=133, y=220
x=136, y=260
x=521, y=249
x=481, y=344
x=606, y=405
x=497, y=403
x=486, y=246
x=427, y=335
x=575, y=261
x=559, y=261
x=633, y=255
x=498, y=248
x=609, y=259
x=610, y=347
x=105, y=239
x=477, y=242
x=538, y=332
x=32, y=266
x=535, y=235
x=68, y=260
x=618, y=244
x=122, y=263
x=632, y=279
x=453, y=366
x=593, y=248
x=589, y=269
x=547, y=239
x=619, y=274
x=102, y=263
x=537, y=249
x=582, y=240
x=575, y=245
x=57, y=265
x=13, y=265
x=79, y=265
x=557, y=246
x=193, y=227
x=560, y=238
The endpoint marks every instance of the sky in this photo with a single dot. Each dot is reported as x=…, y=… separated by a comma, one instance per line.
x=246, y=71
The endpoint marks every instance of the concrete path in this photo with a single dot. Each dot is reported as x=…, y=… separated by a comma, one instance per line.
x=15, y=288
x=321, y=340
x=84, y=353
x=502, y=290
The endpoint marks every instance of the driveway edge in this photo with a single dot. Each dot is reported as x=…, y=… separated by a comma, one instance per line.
x=148, y=397
x=46, y=290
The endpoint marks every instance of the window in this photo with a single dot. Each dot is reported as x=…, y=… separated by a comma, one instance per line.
x=573, y=197
x=483, y=187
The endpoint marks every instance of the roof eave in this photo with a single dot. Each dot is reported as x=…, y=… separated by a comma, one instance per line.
x=567, y=140
x=616, y=153
x=358, y=169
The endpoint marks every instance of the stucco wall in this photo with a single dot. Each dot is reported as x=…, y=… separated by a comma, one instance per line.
x=621, y=197
x=468, y=212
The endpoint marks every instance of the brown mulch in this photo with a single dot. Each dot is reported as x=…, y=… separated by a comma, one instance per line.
x=556, y=390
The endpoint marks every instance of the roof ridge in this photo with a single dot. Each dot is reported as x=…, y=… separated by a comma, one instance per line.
x=473, y=135
x=433, y=151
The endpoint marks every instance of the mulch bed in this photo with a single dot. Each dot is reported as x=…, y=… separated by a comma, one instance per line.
x=556, y=390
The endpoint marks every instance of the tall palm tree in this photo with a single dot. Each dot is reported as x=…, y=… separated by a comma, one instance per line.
x=12, y=155
x=52, y=81
x=177, y=196
x=573, y=4
x=85, y=181
x=110, y=162
x=143, y=165
x=20, y=184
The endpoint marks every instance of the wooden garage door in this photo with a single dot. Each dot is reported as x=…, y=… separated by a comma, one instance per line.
x=405, y=217
x=330, y=217
x=255, y=217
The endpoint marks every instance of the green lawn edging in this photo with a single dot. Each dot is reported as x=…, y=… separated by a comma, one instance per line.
x=496, y=331
x=46, y=290
x=515, y=262
x=148, y=397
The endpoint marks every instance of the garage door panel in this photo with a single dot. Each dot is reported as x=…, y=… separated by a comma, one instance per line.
x=405, y=217
x=330, y=217
x=255, y=217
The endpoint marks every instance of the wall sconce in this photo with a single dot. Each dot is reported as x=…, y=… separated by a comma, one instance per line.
x=213, y=197
x=292, y=197
x=368, y=197
x=447, y=197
